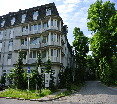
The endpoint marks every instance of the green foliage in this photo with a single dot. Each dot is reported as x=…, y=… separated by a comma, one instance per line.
x=65, y=78
x=99, y=15
x=48, y=69
x=102, y=21
x=81, y=48
x=16, y=77
x=91, y=68
x=3, y=79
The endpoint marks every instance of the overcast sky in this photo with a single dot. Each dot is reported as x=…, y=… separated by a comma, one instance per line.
x=73, y=12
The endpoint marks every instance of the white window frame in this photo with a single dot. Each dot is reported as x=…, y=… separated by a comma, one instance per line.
x=23, y=18
x=48, y=11
x=13, y=21
x=32, y=54
x=24, y=42
x=1, y=35
x=35, y=15
x=11, y=33
x=2, y=24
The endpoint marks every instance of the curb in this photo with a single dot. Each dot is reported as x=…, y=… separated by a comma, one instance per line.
x=40, y=100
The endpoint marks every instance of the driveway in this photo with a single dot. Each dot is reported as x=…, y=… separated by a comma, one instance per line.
x=93, y=93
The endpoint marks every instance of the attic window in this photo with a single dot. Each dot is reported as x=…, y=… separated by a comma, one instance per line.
x=23, y=18
x=3, y=22
x=35, y=15
x=13, y=21
x=48, y=11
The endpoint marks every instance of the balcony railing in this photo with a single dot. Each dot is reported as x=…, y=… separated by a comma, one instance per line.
x=23, y=47
x=54, y=43
x=35, y=45
x=55, y=59
x=43, y=44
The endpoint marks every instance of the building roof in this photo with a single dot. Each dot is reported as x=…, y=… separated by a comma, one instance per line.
x=29, y=14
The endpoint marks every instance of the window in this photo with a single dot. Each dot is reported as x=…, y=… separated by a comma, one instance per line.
x=33, y=40
x=9, y=56
x=35, y=15
x=13, y=21
x=51, y=22
x=52, y=35
x=11, y=33
x=44, y=39
x=23, y=18
x=3, y=22
x=11, y=43
x=39, y=26
x=45, y=25
x=24, y=28
x=43, y=54
x=0, y=44
x=51, y=52
x=55, y=23
x=31, y=28
x=48, y=11
x=57, y=53
x=24, y=41
x=1, y=35
x=33, y=54
x=35, y=27
x=0, y=57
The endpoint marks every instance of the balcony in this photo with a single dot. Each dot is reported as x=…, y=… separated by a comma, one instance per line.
x=35, y=45
x=23, y=47
x=31, y=60
x=55, y=59
x=55, y=43
x=43, y=44
x=25, y=32
x=50, y=28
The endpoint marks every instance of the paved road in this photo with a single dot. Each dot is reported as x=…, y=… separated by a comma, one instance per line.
x=93, y=93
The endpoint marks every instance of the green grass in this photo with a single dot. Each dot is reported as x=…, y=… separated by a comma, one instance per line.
x=16, y=93
x=69, y=92
x=65, y=93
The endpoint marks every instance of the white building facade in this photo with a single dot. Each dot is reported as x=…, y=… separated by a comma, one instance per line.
x=34, y=30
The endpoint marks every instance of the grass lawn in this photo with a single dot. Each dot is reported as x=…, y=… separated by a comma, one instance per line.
x=68, y=92
x=16, y=93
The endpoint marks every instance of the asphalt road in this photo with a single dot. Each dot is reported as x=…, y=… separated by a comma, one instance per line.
x=93, y=93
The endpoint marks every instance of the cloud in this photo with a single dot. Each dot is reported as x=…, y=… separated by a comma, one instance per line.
x=72, y=1
x=14, y=5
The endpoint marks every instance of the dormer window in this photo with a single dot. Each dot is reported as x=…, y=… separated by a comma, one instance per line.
x=35, y=15
x=3, y=22
x=48, y=11
x=13, y=21
x=23, y=18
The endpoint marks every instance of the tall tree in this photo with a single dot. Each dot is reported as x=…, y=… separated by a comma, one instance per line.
x=103, y=44
x=81, y=48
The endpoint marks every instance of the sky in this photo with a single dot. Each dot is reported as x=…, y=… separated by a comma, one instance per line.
x=73, y=12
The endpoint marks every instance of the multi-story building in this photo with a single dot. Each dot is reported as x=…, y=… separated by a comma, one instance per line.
x=33, y=30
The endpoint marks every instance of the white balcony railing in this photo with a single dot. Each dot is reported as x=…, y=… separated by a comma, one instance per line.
x=24, y=47
x=35, y=45
x=55, y=59
x=54, y=43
